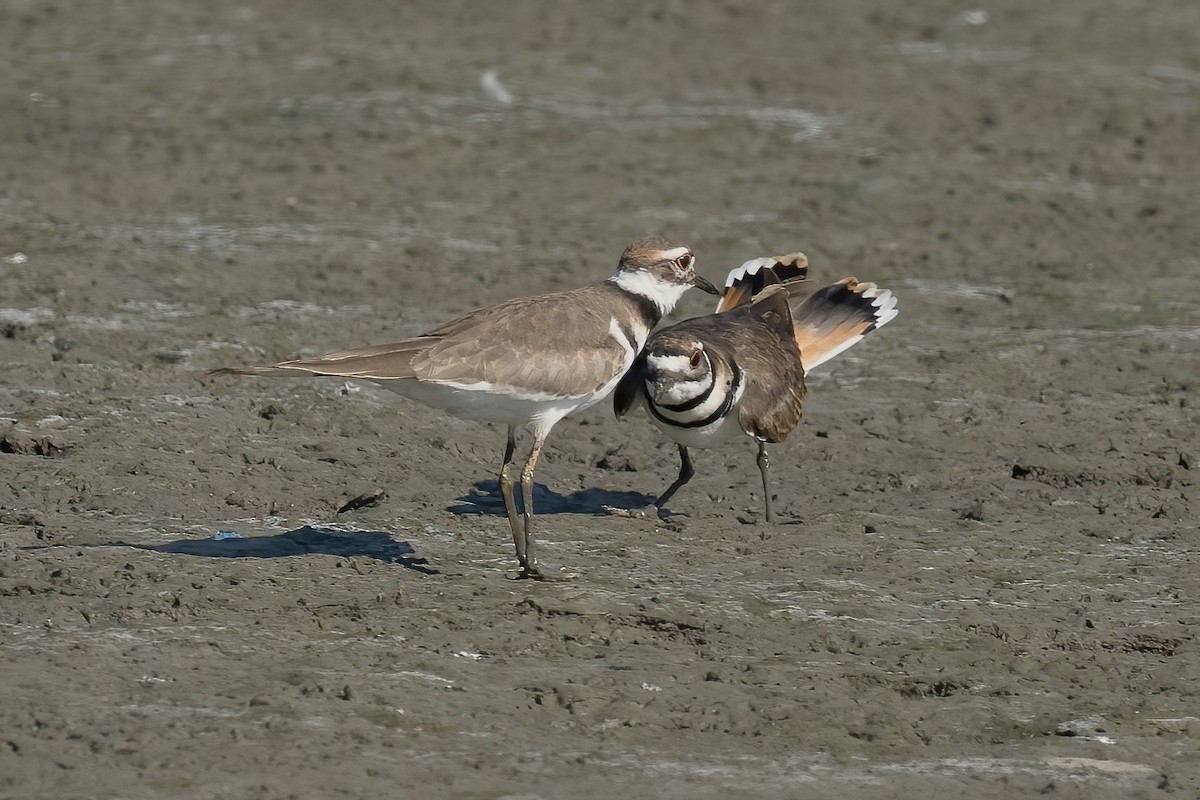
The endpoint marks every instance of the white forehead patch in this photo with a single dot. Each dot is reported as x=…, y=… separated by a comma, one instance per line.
x=674, y=253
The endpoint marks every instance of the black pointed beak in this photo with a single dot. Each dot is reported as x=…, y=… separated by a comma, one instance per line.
x=704, y=285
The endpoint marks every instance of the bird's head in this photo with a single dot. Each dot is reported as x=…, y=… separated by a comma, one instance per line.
x=659, y=271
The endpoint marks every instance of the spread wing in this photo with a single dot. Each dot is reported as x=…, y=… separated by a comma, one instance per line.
x=754, y=276
x=839, y=316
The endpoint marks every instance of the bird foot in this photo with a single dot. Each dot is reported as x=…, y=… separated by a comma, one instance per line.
x=652, y=513
x=646, y=512
x=536, y=573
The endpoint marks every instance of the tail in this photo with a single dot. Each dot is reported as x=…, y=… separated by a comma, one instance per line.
x=749, y=279
x=383, y=362
x=839, y=316
x=221, y=372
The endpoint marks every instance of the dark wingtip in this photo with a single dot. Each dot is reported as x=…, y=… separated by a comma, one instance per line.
x=627, y=390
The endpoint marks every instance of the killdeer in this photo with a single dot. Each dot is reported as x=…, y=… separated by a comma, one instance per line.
x=741, y=370
x=526, y=363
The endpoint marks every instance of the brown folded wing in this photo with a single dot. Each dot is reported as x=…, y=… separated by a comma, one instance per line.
x=758, y=337
x=532, y=345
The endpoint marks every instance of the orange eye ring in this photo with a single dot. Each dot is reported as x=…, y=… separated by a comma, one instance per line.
x=694, y=358
x=685, y=261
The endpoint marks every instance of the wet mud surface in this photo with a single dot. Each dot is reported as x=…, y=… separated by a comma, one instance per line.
x=986, y=580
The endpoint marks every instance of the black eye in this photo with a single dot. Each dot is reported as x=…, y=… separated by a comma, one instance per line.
x=685, y=262
x=695, y=358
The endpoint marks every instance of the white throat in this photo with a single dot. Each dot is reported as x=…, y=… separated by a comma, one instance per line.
x=682, y=392
x=662, y=294
x=675, y=390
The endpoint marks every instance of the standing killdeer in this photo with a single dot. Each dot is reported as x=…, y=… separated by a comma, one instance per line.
x=528, y=362
x=741, y=370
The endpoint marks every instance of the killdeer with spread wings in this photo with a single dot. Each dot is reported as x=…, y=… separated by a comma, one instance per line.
x=526, y=363
x=741, y=370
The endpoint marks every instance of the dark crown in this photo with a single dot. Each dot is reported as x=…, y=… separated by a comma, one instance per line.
x=644, y=252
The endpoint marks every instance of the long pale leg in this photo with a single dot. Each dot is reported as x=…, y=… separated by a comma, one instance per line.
x=530, y=567
x=510, y=503
x=764, y=465
x=655, y=509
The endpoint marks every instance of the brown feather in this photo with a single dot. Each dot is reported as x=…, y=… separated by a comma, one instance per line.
x=754, y=276
x=758, y=339
x=492, y=345
x=378, y=362
x=220, y=372
x=773, y=401
x=734, y=296
x=629, y=390
x=837, y=316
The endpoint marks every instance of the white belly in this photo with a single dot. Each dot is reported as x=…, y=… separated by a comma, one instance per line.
x=481, y=402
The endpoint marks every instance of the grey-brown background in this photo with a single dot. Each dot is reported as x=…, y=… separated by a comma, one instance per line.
x=986, y=585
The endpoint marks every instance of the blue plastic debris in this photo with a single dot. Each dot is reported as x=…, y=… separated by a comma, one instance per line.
x=222, y=535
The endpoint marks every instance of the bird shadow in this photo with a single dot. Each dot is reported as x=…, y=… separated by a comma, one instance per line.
x=307, y=540
x=485, y=499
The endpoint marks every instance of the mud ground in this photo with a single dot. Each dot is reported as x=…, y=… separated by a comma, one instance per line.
x=987, y=582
